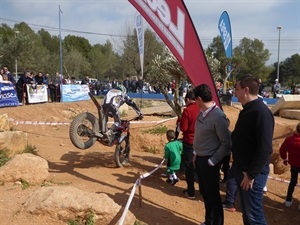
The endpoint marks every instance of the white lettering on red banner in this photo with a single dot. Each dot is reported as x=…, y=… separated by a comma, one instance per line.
x=174, y=33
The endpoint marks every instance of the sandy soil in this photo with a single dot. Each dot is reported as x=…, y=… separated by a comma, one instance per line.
x=94, y=169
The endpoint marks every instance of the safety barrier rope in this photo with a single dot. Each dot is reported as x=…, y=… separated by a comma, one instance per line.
x=281, y=180
x=137, y=183
x=68, y=123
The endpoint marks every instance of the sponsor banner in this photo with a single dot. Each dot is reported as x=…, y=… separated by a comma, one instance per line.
x=74, y=92
x=37, y=93
x=8, y=95
x=140, y=37
x=225, y=32
x=171, y=21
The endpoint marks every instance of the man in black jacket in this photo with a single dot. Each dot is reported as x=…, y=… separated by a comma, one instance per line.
x=251, y=149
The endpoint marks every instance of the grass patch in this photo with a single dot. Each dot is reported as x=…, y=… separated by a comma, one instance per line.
x=137, y=222
x=4, y=153
x=152, y=150
x=4, y=156
x=88, y=219
x=24, y=184
x=156, y=130
x=51, y=182
x=142, y=103
x=30, y=149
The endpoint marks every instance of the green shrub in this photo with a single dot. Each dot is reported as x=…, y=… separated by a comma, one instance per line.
x=4, y=156
x=30, y=149
x=156, y=130
x=152, y=150
x=25, y=184
x=88, y=219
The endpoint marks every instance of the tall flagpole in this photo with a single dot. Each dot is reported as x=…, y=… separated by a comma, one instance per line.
x=60, y=41
x=140, y=38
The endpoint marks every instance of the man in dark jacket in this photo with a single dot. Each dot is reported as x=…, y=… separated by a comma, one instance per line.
x=251, y=149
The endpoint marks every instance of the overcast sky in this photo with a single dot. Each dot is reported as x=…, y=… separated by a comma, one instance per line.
x=96, y=20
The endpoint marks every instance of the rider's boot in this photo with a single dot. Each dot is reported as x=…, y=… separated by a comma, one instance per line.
x=111, y=134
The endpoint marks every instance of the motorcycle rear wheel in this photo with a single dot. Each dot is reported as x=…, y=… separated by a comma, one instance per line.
x=122, y=152
x=82, y=130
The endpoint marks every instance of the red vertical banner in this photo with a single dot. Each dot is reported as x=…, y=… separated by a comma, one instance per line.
x=171, y=21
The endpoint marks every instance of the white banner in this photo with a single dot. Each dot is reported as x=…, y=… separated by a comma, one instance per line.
x=37, y=93
x=74, y=92
x=140, y=37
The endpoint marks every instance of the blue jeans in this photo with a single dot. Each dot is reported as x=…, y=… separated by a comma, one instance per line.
x=231, y=188
x=210, y=190
x=251, y=200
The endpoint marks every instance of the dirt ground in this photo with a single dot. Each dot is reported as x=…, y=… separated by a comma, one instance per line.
x=94, y=170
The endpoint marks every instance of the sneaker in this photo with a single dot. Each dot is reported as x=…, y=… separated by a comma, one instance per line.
x=185, y=193
x=228, y=207
x=288, y=203
x=169, y=181
x=265, y=190
x=175, y=181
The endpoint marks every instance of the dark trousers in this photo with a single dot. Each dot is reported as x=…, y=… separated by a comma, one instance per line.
x=231, y=188
x=188, y=167
x=53, y=94
x=210, y=190
x=225, y=166
x=20, y=93
x=293, y=182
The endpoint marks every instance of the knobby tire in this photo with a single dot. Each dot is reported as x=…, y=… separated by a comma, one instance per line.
x=79, y=121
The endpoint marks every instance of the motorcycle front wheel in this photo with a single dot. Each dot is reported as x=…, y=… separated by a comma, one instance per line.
x=82, y=130
x=122, y=153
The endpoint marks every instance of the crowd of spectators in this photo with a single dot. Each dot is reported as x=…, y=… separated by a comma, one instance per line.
x=133, y=84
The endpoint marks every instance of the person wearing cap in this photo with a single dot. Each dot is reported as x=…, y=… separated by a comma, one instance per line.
x=276, y=88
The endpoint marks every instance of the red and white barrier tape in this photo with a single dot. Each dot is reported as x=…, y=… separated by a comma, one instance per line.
x=68, y=123
x=281, y=180
x=137, y=183
x=38, y=122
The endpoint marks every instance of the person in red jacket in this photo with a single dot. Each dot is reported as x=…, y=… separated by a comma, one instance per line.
x=290, y=153
x=187, y=126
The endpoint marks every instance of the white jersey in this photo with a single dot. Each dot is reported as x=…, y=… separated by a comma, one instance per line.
x=114, y=97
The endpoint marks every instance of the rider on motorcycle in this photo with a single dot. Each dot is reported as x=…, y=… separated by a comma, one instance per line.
x=111, y=104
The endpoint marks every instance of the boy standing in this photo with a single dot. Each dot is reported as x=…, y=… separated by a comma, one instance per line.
x=290, y=153
x=173, y=151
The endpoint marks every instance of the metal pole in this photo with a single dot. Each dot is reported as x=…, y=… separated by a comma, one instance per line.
x=16, y=61
x=279, y=28
x=60, y=41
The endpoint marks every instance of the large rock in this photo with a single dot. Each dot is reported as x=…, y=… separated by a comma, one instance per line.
x=15, y=141
x=26, y=167
x=68, y=203
x=4, y=122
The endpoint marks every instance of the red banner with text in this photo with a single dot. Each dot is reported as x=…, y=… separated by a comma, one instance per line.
x=171, y=21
